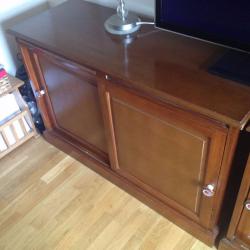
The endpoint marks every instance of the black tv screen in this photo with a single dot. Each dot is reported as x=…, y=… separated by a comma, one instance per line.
x=226, y=22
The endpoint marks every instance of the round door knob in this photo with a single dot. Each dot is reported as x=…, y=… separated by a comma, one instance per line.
x=247, y=205
x=39, y=93
x=107, y=77
x=208, y=191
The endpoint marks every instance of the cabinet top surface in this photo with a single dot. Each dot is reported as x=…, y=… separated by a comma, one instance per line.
x=169, y=66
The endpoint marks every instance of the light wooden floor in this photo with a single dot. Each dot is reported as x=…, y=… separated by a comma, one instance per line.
x=50, y=201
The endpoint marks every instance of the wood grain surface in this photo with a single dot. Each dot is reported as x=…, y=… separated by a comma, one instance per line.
x=166, y=65
x=50, y=201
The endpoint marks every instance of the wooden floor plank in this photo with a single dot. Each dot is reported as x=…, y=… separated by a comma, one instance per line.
x=50, y=201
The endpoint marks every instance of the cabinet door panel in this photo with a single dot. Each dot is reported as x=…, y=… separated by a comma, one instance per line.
x=159, y=150
x=243, y=229
x=238, y=234
x=72, y=98
x=168, y=152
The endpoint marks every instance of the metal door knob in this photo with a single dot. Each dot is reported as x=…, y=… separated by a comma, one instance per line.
x=39, y=93
x=247, y=205
x=107, y=77
x=208, y=191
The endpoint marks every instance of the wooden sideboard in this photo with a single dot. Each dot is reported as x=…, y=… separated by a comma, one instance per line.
x=141, y=111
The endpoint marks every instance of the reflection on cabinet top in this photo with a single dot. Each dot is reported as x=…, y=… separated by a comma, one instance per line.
x=168, y=66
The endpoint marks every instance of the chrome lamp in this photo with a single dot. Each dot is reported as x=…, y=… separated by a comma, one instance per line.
x=123, y=22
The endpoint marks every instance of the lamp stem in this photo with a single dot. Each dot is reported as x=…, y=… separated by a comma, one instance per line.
x=122, y=12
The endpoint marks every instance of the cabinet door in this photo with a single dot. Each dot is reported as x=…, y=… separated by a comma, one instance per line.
x=243, y=229
x=72, y=101
x=239, y=229
x=238, y=234
x=169, y=153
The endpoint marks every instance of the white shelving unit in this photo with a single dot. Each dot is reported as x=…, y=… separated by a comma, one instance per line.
x=18, y=127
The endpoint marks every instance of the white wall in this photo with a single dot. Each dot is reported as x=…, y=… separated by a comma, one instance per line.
x=12, y=12
x=145, y=7
x=53, y=3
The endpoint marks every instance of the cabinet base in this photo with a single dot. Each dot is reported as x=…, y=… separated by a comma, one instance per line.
x=226, y=244
x=207, y=236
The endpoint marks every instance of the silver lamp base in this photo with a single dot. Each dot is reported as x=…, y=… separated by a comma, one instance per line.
x=115, y=25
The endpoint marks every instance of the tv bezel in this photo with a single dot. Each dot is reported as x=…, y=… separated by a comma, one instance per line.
x=196, y=35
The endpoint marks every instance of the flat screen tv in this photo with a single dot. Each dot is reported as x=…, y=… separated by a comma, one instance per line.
x=225, y=22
